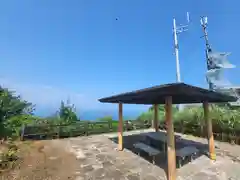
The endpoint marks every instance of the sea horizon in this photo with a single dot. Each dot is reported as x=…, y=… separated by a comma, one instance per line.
x=93, y=115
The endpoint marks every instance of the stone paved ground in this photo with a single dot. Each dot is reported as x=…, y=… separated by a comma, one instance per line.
x=99, y=159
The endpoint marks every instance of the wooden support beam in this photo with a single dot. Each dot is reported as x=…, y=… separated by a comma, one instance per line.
x=156, y=117
x=120, y=127
x=212, y=153
x=170, y=140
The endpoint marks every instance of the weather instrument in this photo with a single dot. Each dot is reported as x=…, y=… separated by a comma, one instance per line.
x=204, y=20
x=217, y=62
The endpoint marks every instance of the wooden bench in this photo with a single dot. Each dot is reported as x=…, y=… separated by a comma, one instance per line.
x=185, y=152
x=158, y=137
x=148, y=149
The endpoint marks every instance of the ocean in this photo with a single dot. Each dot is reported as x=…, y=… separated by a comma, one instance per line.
x=93, y=115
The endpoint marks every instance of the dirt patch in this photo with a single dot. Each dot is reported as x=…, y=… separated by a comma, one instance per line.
x=43, y=160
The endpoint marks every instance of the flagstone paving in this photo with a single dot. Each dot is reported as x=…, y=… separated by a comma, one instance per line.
x=99, y=159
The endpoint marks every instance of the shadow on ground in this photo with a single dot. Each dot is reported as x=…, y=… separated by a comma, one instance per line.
x=161, y=159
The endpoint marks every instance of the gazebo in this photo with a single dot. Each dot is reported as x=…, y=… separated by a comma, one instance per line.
x=168, y=94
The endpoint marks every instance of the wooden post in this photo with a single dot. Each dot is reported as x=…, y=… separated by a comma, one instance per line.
x=86, y=128
x=22, y=132
x=212, y=154
x=120, y=127
x=170, y=140
x=156, y=117
x=59, y=130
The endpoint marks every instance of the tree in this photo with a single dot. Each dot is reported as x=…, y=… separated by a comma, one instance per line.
x=161, y=108
x=11, y=105
x=67, y=113
x=13, y=112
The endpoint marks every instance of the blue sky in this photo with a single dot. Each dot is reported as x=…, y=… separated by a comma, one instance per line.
x=57, y=49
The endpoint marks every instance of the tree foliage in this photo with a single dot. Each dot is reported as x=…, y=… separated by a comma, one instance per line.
x=14, y=112
x=12, y=105
x=149, y=115
x=67, y=113
x=191, y=120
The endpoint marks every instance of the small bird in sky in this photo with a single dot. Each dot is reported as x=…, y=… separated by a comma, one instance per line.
x=116, y=18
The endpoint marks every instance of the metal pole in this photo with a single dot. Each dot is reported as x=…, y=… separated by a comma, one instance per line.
x=176, y=30
x=176, y=51
x=208, y=47
x=205, y=34
x=178, y=76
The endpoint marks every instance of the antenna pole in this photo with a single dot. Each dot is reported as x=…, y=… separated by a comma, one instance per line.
x=208, y=47
x=217, y=62
x=204, y=26
x=176, y=51
x=176, y=31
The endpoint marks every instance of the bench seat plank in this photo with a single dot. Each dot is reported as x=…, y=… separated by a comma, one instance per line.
x=186, y=151
x=181, y=154
x=148, y=149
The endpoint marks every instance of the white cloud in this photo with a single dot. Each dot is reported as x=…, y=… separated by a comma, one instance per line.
x=50, y=97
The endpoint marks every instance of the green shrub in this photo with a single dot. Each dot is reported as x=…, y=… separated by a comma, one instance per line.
x=191, y=119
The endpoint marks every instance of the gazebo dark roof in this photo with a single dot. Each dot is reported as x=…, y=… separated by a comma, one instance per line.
x=181, y=93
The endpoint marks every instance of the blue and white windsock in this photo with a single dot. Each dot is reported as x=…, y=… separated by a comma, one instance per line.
x=215, y=75
x=219, y=60
x=217, y=63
